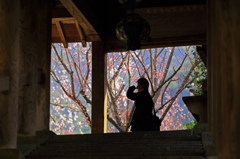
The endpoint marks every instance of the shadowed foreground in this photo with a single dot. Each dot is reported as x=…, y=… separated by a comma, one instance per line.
x=162, y=145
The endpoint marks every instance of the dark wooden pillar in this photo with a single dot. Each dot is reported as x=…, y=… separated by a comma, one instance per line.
x=44, y=24
x=210, y=73
x=34, y=60
x=28, y=65
x=99, y=98
x=9, y=68
x=223, y=40
x=213, y=72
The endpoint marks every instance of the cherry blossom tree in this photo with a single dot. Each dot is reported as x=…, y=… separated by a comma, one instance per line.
x=163, y=68
x=169, y=71
x=71, y=88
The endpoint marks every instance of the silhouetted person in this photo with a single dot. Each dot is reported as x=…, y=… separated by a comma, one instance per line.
x=141, y=120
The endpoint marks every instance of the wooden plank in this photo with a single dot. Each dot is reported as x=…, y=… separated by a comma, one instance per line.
x=73, y=9
x=4, y=83
x=71, y=34
x=80, y=32
x=64, y=20
x=59, y=28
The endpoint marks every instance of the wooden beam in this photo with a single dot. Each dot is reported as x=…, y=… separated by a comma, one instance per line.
x=99, y=88
x=73, y=39
x=113, y=44
x=82, y=19
x=167, y=22
x=59, y=28
x=71, y=34
x=4, y=83
x=64, y=20
x=44, y=64
x=80, y=32
x=175, y=41
x=157, y=3
x=176, y=21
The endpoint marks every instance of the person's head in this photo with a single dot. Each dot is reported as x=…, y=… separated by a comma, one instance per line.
x=142, y=84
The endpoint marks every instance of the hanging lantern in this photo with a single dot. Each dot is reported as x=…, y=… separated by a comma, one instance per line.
x=132, y=29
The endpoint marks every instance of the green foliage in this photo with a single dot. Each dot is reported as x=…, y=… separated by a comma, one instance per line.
x=200, y=74
x=189, y=125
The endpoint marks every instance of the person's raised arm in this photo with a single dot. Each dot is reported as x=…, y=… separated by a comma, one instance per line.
x=130, y=93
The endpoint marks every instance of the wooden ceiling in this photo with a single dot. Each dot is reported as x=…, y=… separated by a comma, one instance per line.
x=172, y=22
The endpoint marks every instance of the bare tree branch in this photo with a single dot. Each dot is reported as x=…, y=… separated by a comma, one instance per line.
x=52, y=118
x=159, y=53
x=156, y=92
x=136, y=65
x=167, y=67
x=76, y=100
x=130, y=118
x=85, y=79
x=151, y=66
x=165, y=89
x=119, y=68
x=144, y=70
x=85, y=97
x=88, y=64
x=64, y=106
x=60, y=59
x=114, y=106
x=114, y=123
x=120, y=91
x=183, y=85
x=70, y=72
x=175, y=72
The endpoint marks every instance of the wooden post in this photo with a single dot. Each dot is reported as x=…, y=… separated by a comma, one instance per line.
x=9, y=63
x=224, y=60
x=99, y=97
x=43, y=64
x=29, y=48
x=212, y=71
